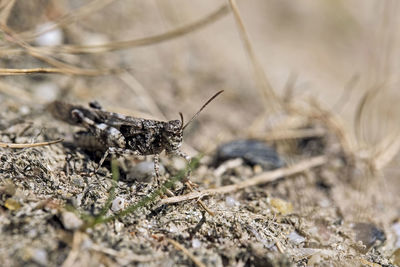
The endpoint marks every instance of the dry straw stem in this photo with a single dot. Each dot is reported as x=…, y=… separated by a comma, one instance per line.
x=336, y=126
x=186, y=252
x=4, y=72
x=6, y=145
x=15, y=92
x=112, y=46
x=36, y=53
x=265, y=177
x=69, y=18
x=5, y=7
x=272, y=100
x=75, y=249
x=382, y=153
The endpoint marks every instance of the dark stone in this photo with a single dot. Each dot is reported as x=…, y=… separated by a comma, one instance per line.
x=368, y=234
x=253, y=152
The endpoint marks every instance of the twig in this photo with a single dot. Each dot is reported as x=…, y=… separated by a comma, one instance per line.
x=6, y=145
x=265, y=177
x=74, y=252
x=186, y=252
x=271, y=99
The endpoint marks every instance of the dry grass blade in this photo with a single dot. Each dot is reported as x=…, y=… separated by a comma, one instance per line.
x=336, y=126
x=186, y=252
x=4, y=72
x=272, y=100
x=71, y=17
x=7, y=145
x=5, y=10
x=37, y=53
x=79, y=49
x=387, y=152
x=360, y=110
x=15, y=92
x=265, y=177
x=142, y=93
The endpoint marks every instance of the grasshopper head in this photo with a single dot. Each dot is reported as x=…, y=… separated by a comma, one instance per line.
x=173, y=134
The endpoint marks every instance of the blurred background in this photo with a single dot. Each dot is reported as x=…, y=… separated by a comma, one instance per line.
x=276, y=60
x=162, y=57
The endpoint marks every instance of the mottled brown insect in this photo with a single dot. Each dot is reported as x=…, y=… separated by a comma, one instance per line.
x=119, y=134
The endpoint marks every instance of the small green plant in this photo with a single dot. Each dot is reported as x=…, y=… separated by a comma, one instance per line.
x=92, y=221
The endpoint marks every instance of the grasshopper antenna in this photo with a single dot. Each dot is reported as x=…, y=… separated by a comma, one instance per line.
x=198, y=112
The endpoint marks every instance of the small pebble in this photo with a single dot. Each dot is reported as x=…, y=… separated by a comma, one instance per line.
x=47, y=91
x=70, y=220
x=173, y=228
x=295, y=238
x=231, y=202
x=281, y=206
x=77, y=200
x=39, y=256
x=118, y=204
x=12, y=204
x=196, y=243
x=49, y=38
x=118, y=226
x=143, y=172
x=368, y=234
x=396, y=228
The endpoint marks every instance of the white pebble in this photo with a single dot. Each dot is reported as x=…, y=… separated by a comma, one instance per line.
x=70, y=220
x=39, y=256
x=231, y=202
x=118, y=226
x=49, y=38
x=46, y=91
x=118, y=204
x=396, y=228
x=294, y=237
x=196, y=243
x=173, y=228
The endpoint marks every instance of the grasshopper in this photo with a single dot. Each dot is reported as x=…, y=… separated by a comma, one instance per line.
x=120, y=134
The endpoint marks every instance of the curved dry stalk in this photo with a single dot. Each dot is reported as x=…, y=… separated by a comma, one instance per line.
x=273, y=102
x=37, y=53
x=365, y=100
x=387, y=152
x=334, y=123
x=71, y=17
x=118, y=45
x=6, y=7
x=7, y=145
x=265, y=177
